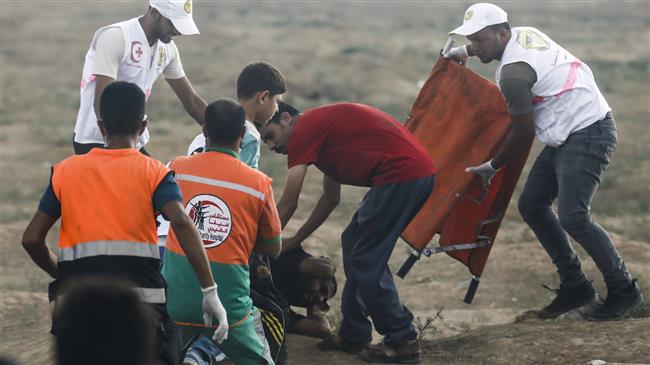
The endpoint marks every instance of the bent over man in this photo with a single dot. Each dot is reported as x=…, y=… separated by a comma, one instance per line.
x=552, y=94
x=358, y=145
x=107, y=201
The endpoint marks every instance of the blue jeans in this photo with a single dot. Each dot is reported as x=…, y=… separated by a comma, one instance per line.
x=367, y=244
x=571, y=174
x=203, y=350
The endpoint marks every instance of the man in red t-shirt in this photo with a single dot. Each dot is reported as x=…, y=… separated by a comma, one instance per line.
x=358, y=145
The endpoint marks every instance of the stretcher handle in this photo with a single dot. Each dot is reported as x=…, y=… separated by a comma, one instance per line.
x=408, y=264
x=471, y=291
x=448, y=44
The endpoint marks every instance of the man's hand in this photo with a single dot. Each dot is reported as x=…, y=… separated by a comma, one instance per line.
x=485, y=171
x=459, y=54
x=212, y=307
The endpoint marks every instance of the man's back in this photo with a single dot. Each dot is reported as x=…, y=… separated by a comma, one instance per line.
x=357, y=144
x=96, y=189
x=233, y=208
x=107, y=218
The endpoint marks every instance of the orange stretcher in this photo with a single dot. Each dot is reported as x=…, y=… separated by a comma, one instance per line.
x=462, y=120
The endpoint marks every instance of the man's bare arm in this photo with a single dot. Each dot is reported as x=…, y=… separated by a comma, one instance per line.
x=101, y=82
x=193, y=103
x=288, y=202
x=325, y=205
x=34, y=242
x=522, y=132
x=188, y=238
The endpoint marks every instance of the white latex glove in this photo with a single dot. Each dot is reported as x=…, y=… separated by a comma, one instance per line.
x=458, y=54
x=212, y=307
x=485, y=171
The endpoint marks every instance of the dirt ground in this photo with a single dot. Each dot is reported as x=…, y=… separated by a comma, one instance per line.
x=372, y=52
x=482, y=333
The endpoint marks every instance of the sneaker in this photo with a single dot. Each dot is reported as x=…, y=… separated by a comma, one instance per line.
x=618, y=304
x=194, y=358
x=338, y=343
x=568, y=299
x=409, y=352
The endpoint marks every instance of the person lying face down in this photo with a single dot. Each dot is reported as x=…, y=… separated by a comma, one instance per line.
x=306, y=282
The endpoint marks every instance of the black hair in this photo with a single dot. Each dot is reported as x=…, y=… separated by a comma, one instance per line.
x=260, y=76
x=283, y=108
x=102, y=321
x=501, y=26
x=121, y=108
x=224, y=120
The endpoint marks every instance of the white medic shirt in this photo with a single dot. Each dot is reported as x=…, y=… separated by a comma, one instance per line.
x=565, y=96
x=121, y=51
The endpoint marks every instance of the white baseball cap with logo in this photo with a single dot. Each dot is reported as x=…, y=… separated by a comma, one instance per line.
x=479, y=16
x=179, y=12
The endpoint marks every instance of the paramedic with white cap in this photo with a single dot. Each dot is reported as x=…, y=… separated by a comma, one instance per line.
x=137, y=50
x=552, y=94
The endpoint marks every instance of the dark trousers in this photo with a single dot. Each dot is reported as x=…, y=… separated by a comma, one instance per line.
x=571, y=174
x=367, y=244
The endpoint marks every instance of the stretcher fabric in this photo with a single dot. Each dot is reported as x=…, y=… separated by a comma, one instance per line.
x=462, y=120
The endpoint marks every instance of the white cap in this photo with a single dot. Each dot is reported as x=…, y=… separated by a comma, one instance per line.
x=479, y=16
x=198, y=144
x=179, y=12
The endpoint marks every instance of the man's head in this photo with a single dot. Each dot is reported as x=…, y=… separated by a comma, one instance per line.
x=319, y=290
x=172, y=18
x=121, y=110
x=225, y=123
x=260, y=86
x=486, y=26
x=101, y=321
x=277, y=131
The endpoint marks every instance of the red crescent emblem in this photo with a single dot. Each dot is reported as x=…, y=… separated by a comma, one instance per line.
x=136, y=52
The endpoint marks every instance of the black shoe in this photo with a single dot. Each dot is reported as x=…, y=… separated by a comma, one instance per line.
x=618, y=304
x=338, y=343
x=568, y=299
x=409, y=352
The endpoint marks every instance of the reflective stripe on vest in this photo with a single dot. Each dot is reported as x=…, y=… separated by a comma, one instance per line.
x=147, y=295
x=152, y=295
x=221, y=184
x=110, y=248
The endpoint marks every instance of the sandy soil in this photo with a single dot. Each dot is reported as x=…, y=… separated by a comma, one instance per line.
x=482, y=333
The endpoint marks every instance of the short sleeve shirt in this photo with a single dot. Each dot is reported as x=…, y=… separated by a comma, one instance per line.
x=358, y=145
x=166, y=191
x=109, y=51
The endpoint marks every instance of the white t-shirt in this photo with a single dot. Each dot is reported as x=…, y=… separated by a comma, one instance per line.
x=110, y=51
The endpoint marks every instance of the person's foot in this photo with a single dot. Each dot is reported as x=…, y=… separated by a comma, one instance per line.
x=338, y=343
x=409, y=352
x=618, y=304
x=568, y=299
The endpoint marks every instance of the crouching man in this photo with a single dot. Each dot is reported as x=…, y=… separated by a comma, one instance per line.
x=233, y=208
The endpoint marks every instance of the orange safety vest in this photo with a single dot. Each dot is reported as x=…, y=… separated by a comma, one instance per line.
x=229, y=202
x=107, y=214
